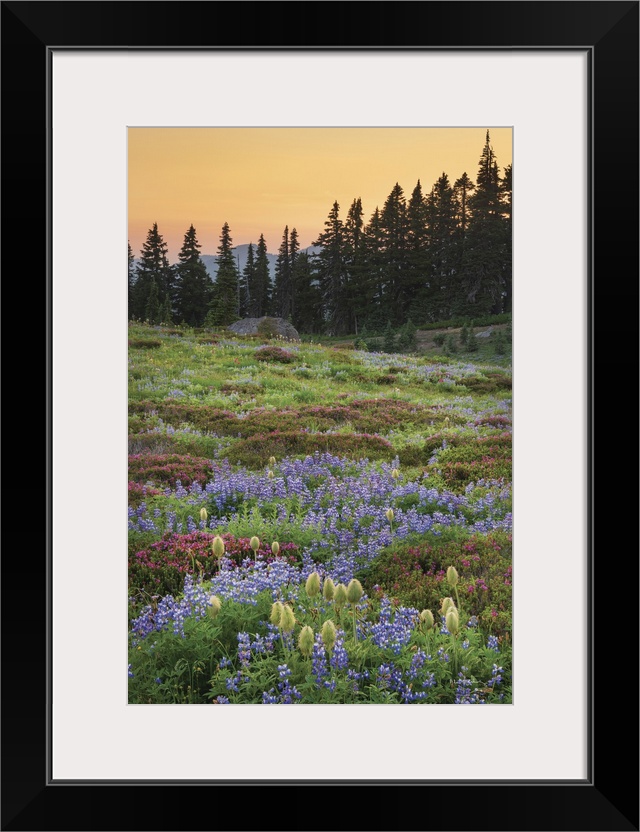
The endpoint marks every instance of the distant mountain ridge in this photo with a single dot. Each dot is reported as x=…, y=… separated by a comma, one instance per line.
x=241, y=253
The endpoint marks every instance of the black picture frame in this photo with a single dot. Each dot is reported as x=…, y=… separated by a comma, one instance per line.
x=608, y=798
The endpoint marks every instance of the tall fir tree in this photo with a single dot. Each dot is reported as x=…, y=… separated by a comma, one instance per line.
x=247, y=283
x=192, y=286
x=418, y=263
x=373, y=283
x=283, y=288
x=442, y=210
x=307, y=312
x=506, y=198
x=131, y=276
x=223, y=307
x=152, y=266
x=394, y=224
x=294, y=249
x=330, y=271
x=483, y=264
x=260, y=292
x=152, y=308
x=355, y=291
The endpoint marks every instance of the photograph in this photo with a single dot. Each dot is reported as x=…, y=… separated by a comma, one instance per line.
x=319, y=411
x=365, y=421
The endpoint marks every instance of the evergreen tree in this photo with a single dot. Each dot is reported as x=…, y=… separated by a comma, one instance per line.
x=418, y=264
x=485, y=248
x=294, y=249
x=372, y=290
x=260, y=291
x=152, y=307
x=353, y=242
x=506, y=200
x=393, y=220
x=330, y=271
x=223, y=308
x=131, y=276
x=307, y=312
x=389, y=343
x=192, y=286
x=153, y=266
x=283, y=288
x=442, y=210
x=247, y=284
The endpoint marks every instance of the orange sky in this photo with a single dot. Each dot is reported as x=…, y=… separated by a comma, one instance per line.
x=259, y=179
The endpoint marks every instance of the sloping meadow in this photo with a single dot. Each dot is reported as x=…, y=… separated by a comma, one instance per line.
x=316, y=525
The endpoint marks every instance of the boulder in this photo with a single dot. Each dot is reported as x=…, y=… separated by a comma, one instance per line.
x=269, y=327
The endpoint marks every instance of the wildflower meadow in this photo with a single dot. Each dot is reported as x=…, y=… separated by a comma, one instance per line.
x=314, y=523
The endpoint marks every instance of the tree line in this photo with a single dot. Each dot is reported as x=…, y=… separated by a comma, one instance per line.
x=434, y=256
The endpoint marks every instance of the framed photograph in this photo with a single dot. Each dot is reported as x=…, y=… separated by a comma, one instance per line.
x=563, y=79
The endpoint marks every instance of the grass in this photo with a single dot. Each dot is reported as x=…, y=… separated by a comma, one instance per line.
x=386, y=469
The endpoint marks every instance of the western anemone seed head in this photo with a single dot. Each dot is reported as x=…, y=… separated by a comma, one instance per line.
x=340, y=597
x=452, y=576
x=389, y=514
x=354, y=591
x=203, y=515
x=272, y=460
x=446, y=603
x=214, y=606
x=313, y=585
x=287, y=619
x=218, y=546
x=329, y=634
x=276, y=613
x=395, y=473
x=270, y=475
x=254, y=543
x=426, y=616
x=275, y=547
x=306, y=640
x=453, y=620
x=328, y=589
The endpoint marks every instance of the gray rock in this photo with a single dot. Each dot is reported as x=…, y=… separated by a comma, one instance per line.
x=485, y=334
x=249, y=326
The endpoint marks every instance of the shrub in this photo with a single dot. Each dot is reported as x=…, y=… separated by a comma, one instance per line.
x=253, y=451
x=268, y=328
x=160, y=568
x=439, y=339
x=169, y=468
x=414, y=573
x=145, y=343
x=274, y=354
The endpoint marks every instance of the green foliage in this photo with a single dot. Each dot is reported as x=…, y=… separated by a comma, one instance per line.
x=413, y=573
x=252, y=451
x=389, y=342
x=207, y=664
x=268, y=328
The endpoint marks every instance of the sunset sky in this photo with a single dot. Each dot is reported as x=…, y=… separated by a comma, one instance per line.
x=261, y=179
